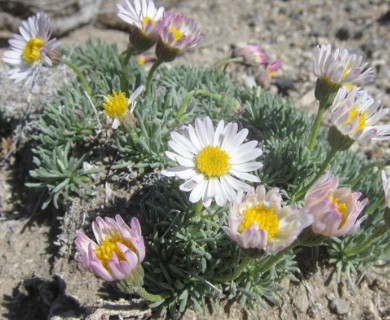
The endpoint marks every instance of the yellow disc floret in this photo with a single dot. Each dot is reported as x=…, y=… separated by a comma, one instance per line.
x=108, y=246
x=264, y=217
x=116, y=105
x=176, y=33
x=146, y=19
x=32, y=50
x=341, y=209
x=212, y=162
x=362, y=118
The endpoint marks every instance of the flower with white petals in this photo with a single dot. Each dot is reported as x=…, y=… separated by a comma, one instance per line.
x=31, y=49
x=211, y=160
x=354, y=113
x=116, y=106
x=335, y=210
x=119, y=249
x=142, y=17
x=259, y=221
x=176, y=34
x=340, y=67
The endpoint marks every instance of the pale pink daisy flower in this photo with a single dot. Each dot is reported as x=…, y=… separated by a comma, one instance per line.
x=334, y=210
x=259, y=221
x=354, y=113
x=142, y=16
x=340, y=67
x=251, y=54
x=263, y=77
x=119, y=248
x=31, y=49
x=176, y=34
x=213, y=161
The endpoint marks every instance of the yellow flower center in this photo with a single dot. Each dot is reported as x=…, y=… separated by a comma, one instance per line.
x=362, y=118
x=344, y=74
x=146, y=19
x=341, y=208
x=212, y=162
x=141, y=60
x=108, y=246
x=32, y=50
x=176, y=33
x=264, y=217
x=116, y=105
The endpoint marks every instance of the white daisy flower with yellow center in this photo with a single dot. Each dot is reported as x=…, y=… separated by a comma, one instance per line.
x=213, y=162
x=354, y=113
x=340, y=67
x=31, y=49
x=116, y=107
x=142, y=16
x=260, y=222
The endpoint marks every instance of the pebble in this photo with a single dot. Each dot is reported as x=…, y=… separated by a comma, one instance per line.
x=338, y=306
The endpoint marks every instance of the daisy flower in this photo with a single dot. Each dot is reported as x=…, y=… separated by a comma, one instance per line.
x=31, y=49
x=251, y=54
x=142, y=17
x=340, y=67
x=211, y=161
x=354, y=114
x=334, y=210
x=263, y=78
x=119, y=248
x=176, y=34
x=116, y=106
x=259, y=221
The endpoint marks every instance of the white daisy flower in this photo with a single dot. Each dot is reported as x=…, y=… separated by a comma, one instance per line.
x=142, y=16
x=211, y=161
x=340, y=67
x=354, y=113
x=31, y=49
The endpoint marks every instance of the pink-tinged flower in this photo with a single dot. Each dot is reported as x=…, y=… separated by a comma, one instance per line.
x=142, y=17
x=386, y=186
x=119, y=249
x=259, y=221
x=251, y=54
x=213, y=161
x=263, y=77
x=31, y=49
x=340, y=67
x=335, y=210
x=354, y=113
x=176, y=34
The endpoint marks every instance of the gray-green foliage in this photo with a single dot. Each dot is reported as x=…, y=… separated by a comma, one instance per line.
x=186, y=248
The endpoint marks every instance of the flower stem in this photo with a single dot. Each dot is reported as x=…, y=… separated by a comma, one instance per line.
x=149, y=296
x=125, y=62
x=150, y=77
x=79, y=74
x=271, y=261
x=320, y=172
x=237, y=272
x=379, y=232
x=315, y=128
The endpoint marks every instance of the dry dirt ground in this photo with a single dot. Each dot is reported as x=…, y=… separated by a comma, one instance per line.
x=33, y=261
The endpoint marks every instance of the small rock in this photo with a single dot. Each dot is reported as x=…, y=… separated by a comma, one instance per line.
x=338, y=306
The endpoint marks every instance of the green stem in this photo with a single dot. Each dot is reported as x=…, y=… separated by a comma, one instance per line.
x=320, y=172
x=271, y=261
x=380, y=232
x=224, y=62
x=233, y=276
x=150, y=77
x=149, y=296
x=125, y=61
x=79, y=74
x=315, y=128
